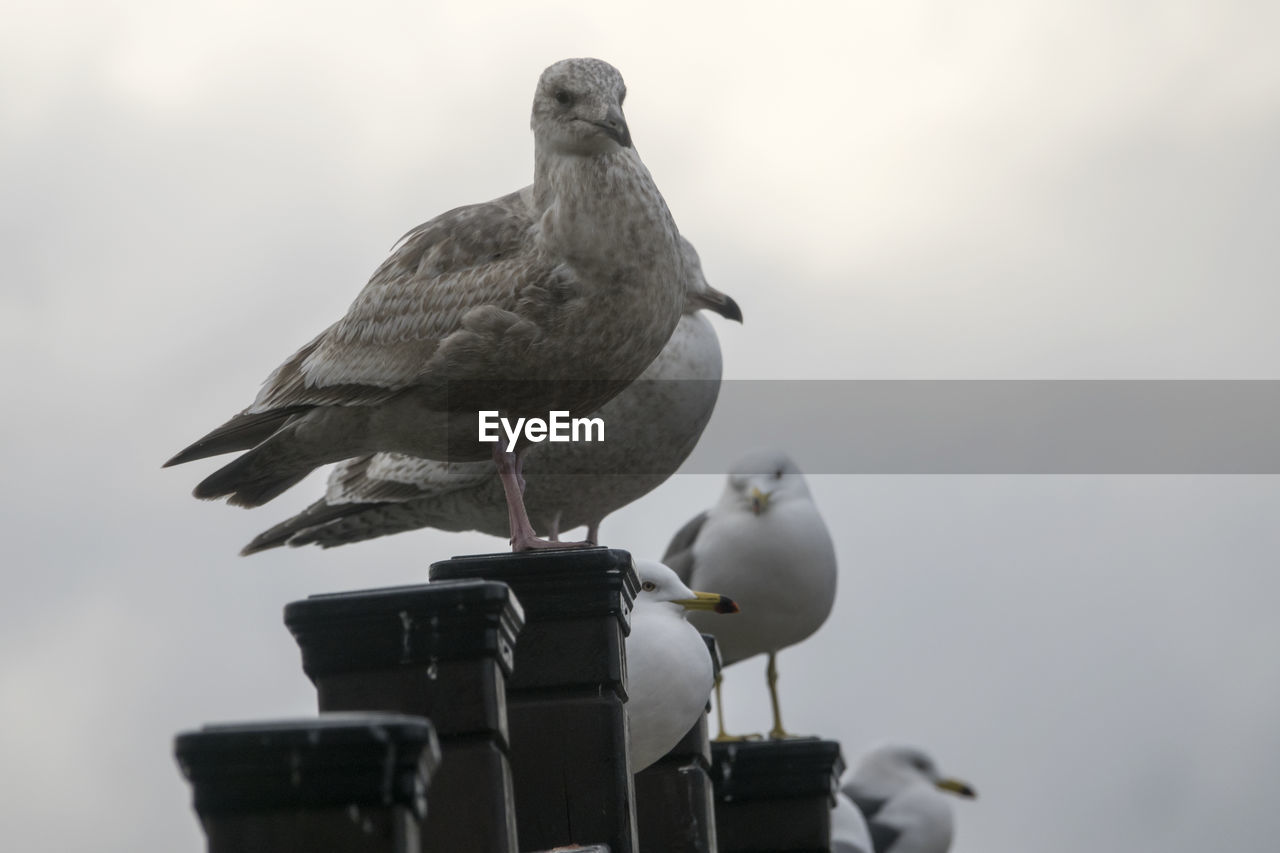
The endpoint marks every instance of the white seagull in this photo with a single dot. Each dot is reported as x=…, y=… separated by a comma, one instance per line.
x=849, y=832
x=551, y=298
x=766, y=546
x=899, y=791
x=652, y=427
x=669, y=670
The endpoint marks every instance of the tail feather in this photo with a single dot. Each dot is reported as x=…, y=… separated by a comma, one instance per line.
x=318, y=514
x=332, y=525
x=248, y=482
x=318, y=437
x=240, y=433
x=262, y=473
x=370, y=521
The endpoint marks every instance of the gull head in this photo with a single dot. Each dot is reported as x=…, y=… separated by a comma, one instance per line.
x=764, y=479
x=699, y=293
x=660, y=586
x=577, y=108
x=889, y=769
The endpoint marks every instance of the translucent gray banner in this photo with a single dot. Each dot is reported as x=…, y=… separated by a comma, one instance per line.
x=1000, y=427
x=894, y=426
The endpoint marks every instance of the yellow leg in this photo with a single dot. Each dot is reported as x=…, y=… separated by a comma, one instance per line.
x=771, y=675
x=725, y=737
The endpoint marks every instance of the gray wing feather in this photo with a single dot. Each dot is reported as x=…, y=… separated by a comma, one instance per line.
x=679, y=555
x=400, y=478
x=458, y=269
x=883, y=836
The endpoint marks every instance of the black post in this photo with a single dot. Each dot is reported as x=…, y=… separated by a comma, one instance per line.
x=775, y=795
x=569, y=753
x=443, y=651
x=345, y=783
x=675, y=803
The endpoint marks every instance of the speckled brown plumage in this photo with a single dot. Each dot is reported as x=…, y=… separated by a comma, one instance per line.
x=553, y=297
x=652, y=428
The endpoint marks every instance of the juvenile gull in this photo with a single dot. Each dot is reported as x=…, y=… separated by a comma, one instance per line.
x=669, y=674
x=765, y=545
x=898, y=789
x=651, y=428
x=550, y=298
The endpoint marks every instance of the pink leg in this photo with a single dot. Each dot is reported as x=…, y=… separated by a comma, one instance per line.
x=523, y=537
x=593, y=532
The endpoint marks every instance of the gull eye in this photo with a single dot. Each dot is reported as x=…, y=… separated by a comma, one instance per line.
x=777, y=475
x=648, y=586
x=563, y=98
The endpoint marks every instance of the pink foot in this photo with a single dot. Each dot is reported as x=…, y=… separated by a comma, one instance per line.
x=523, y=537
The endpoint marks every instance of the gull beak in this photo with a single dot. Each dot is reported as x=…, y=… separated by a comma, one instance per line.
x=616, y=126
x=759, y=501
x=709, y=601
x=721, y=303
x=955, y=786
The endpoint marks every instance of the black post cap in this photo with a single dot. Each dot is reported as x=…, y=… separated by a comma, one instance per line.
x=442, y=650
x=404, y=626
x=776, y=769
x=335, y=760
x=555, y=584
x=775, y=796
x=572, y=589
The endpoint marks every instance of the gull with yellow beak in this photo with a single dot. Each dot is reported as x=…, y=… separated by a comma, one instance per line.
x=900, y=793
x=669, y=670
x=765, y=544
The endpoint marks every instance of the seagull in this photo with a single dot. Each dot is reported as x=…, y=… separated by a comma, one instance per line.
x=765, y=544
x=849, y=832
x=898, y=789
x=669, y=670
x=551, y=298
x=653, y=426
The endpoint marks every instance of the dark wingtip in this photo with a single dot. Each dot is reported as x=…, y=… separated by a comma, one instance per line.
x=201, y=449
x=714, y=300
x=727, y=605
x=259, y=544
x=178, y=458
x=730, y=310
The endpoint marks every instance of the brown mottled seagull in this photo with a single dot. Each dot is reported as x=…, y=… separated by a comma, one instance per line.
x=551, y=298
x=652, y=427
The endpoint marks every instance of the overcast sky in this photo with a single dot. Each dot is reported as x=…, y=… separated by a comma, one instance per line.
x=920, y=190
